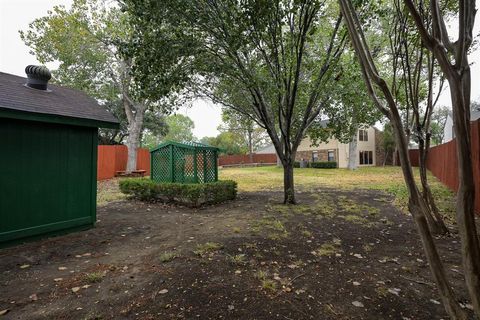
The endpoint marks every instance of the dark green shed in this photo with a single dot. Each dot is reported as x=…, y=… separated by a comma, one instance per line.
x=48, y=162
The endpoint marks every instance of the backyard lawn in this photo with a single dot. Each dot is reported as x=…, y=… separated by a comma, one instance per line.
x=346, y=251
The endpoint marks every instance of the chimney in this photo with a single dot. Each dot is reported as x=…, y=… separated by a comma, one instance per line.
x=38, y=77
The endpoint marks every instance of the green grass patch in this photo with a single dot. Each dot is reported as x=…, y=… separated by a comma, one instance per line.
x=329, y=248
x=94, y=277
x=387, y=179
x=167, y=257
x=207, y=248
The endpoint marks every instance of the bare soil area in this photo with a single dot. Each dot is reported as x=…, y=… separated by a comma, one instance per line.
x=337, y=255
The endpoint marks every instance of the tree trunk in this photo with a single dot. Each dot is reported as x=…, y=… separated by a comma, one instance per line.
x=288, y=185
x=395, y=156
x=352, y=152
x=466, y=191
x=435, y=219
x=250, y=146
x=133, y=141
x=135, y=127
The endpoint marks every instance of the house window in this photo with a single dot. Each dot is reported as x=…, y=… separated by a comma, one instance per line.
x=366, y=157
x=363, y=135
x=314, y=156
x=331, y=156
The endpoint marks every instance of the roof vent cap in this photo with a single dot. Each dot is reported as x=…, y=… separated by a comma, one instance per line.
x=38, y=77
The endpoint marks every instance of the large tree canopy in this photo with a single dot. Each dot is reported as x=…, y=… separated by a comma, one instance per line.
x=280, y=55
x=90, y=41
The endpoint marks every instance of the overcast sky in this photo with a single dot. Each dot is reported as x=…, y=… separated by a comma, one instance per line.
x=15, y=15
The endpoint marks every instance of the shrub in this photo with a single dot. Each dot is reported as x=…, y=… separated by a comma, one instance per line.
x=296, y=164
x=323, y=165
x=189, y=194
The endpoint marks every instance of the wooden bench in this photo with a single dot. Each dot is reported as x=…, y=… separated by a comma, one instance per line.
x=134, y=173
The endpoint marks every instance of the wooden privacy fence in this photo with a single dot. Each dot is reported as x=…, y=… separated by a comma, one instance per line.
x=114, y=158
x=245, y=159
x=442, y=162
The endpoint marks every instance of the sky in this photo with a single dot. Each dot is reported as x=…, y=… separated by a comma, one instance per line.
x=15, y=15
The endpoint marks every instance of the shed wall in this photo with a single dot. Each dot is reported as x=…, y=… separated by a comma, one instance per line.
x=47, y=178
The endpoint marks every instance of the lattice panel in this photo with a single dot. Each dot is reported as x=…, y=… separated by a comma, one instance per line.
x=210, y=166
x=161, y=169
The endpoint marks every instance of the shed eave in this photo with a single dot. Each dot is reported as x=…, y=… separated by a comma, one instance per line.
x=6, y=112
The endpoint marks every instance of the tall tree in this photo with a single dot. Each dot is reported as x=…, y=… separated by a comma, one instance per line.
x=229, y=142
x=415, y=74
x=179, y=129
x=377, y=85
x=89, y=41
x=388, y=143
x=280, y=54
x=453, y=60
x=252, y=135
x=350, y=109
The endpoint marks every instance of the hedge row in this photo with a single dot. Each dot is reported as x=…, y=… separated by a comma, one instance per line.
x=188, y=194
x=318, y=165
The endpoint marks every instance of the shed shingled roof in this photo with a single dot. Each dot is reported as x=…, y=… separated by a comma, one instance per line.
x=57, y=101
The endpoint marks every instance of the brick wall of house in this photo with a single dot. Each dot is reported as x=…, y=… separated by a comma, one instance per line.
x=308, y=155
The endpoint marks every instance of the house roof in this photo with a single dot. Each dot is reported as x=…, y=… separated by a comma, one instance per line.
x=62, y=104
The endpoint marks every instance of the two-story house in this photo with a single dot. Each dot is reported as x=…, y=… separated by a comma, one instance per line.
x=369, y=149
x=334, y=150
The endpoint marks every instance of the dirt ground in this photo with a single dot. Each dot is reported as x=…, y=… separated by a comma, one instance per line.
x=337, y=255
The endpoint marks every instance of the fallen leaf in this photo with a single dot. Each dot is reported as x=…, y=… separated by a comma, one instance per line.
x=57, y=279
x=62, y=268
x=24, y=266
x=394, y=291
x=4, y=312
x=357, y=304
x=163, y=291
x=75, y=289
x=466, y=306
x=434, y=301
x=86, y=286
x=33, y=297
x=231, y=307
x=355, y=283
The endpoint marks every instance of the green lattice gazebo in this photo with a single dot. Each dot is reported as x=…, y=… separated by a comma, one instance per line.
x=190, y=162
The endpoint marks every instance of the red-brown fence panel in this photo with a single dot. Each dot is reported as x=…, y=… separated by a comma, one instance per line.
x=113, y=158
x=442, y=162
x=247, y=159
